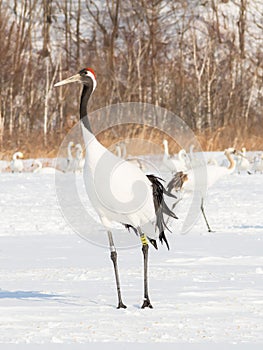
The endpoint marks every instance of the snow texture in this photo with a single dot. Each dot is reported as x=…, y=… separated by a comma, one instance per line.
x=58, y=288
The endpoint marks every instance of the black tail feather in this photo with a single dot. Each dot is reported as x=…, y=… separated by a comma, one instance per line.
x=161, y=207
x=153, y=242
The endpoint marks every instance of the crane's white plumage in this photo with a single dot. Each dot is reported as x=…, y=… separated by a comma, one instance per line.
x=193, y=160
x=198, y=180
x=214, y=173
x=43, y=170
x=79, y=160
x=171, y=163
x=258, y=163
x=16, y=164
x=119, y=190
x=70, y=160
x=242, y=163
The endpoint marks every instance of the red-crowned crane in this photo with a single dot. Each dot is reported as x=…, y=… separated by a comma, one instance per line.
x=187, y=182
x=118, y=190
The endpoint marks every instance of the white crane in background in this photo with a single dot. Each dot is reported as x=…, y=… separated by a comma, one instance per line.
x=242, y=161
x=172, y=164
x=70, y=158
x=121, y=152
x=186, y=182
x=43, y=170
x=258, y=164
x=194, y=161
x=16, y=164
x=79, y=159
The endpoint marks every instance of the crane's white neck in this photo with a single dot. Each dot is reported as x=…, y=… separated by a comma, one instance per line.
x=232, y=162
x=191, y=151
x=70, y=150
x=16, y=155
x=124, y=150
x=39, y=164
x=181, y=155
x=118, y=151
x=166, y=149
x=79, y=153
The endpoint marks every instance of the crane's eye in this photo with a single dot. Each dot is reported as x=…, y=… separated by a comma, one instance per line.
x=83, y=72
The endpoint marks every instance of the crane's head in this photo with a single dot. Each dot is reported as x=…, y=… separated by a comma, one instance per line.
x=85, y=76
x=230, y=150
x=17, y=155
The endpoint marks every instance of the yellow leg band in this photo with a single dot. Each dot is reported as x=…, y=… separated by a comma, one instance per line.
x=144, y=240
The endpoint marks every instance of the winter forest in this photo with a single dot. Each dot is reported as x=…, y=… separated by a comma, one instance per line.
x=200, y=59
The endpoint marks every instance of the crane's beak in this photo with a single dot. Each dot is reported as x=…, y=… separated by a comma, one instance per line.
x=73, y=79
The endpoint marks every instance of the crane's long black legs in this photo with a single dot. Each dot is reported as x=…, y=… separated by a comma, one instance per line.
x=145, y=248
x=203, y=212
x=113, y=255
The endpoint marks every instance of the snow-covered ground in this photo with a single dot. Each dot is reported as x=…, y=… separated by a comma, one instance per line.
x=56, y=287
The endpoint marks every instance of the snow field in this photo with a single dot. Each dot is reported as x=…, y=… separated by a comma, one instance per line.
x=58, y=288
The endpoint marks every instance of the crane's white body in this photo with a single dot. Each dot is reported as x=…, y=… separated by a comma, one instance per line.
x=258, y=164
x=172, y=164
x=193, y=161
x=16, y=164
x=70, y=159
x=198, y=180
x=242, y=163
x=214, y=173
x=119, y=190
x=43, y=170
x=79, y=159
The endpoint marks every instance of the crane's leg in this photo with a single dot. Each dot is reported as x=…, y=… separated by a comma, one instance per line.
x=113, y=255
x=203, y=212
x=145, y=248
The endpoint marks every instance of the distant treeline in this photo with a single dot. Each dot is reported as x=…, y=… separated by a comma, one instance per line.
x=202, y=60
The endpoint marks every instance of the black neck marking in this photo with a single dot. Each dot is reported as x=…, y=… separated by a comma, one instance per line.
x=86, y=93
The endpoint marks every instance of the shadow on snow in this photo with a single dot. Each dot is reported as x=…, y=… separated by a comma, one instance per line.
x=20, y=294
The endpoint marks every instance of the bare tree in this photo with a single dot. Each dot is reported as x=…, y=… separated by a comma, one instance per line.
x=242, y=27
x=46, y=26
x=48, y=91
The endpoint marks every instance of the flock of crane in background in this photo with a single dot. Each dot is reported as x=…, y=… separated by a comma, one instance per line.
x=180, y=167
x=73, y=163
x=182, y=162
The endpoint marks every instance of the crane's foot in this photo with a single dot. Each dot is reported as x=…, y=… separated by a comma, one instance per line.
x=210, y=230
x=146, y=303
x=121, y=305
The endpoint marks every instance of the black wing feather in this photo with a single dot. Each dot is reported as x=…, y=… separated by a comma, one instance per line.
x=177, y=182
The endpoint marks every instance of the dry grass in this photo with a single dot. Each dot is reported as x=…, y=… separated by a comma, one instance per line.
x=139, y=139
